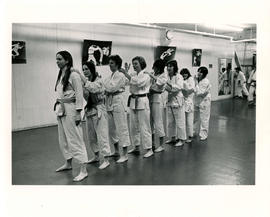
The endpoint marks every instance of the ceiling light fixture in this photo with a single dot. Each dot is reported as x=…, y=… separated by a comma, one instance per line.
x=225, y=27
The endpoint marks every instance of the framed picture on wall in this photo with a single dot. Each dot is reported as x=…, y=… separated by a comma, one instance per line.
x=196, y=57
x=97, y=52
x=224, y=76
x=18, y=52
x=165, y=53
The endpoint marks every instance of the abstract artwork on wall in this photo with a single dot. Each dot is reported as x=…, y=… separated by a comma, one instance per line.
x=165, y=53
x=18, y=52
x=96, y=51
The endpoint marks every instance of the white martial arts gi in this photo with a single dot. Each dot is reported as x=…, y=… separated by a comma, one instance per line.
x=176, y=108
x=202, y=108
x=71, y=136
x=97, y=117
x=156, y=104
x=117, y=114
x=188, y=92
x=140, y=128
x=240, y=85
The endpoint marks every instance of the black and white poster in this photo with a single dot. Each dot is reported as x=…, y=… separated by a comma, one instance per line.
x=97, y=52
x=165, y=53
x=18, y=52
x=196, y=57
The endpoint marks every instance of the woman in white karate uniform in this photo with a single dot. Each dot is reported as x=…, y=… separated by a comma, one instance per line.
x=188, y=92
x=68, y=108
x=240, y=83
x=96, y=114
x=117, y=115
x=175, y=105
x=202, y=103
x=158, y=81
x=140, y=128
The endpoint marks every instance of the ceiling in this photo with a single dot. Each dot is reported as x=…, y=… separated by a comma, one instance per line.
x=236, y=31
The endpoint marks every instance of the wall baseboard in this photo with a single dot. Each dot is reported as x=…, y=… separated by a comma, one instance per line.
x=34, y=127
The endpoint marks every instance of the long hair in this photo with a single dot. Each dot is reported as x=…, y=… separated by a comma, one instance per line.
x=67, y=56
x=92, y=98
x=160, y=65
x=91, y=66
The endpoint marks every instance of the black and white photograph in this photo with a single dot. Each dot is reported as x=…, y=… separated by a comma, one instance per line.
x=96, y=51
x=139, y=120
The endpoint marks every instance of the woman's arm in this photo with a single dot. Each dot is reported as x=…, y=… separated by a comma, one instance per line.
x=125, y=71
x=189, y=86
x=94, y=87
x=203, y=88
x=178, y=85
x=77, y=85
x=151, y=75
x=140, y=80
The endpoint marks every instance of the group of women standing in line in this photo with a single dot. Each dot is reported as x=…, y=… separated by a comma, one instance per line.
x=188, y=101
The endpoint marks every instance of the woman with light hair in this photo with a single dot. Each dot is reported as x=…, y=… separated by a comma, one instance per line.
x=140, y=128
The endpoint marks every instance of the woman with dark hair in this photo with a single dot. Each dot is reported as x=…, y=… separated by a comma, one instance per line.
x=175, y=105
x=202, y=103
x=158, y=81
x=96, y=115
x=138, y=103
x=117, y=116
x=68, y=108
x=188, y=92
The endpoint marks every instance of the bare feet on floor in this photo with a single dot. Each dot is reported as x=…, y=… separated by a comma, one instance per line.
x=80, y=177
x=122, y=159
x=63, y=168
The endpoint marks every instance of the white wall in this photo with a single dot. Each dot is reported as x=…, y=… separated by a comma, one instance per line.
x=33, y=83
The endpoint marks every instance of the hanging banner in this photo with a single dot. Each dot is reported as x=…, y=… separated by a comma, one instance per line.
x=96, y=51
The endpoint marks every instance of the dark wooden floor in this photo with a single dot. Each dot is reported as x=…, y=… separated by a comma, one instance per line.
x=226, y=158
